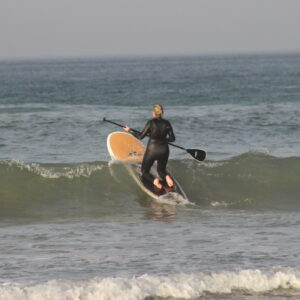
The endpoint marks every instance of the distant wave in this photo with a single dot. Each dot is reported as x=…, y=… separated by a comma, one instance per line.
x=182, y=286
x=249, y=181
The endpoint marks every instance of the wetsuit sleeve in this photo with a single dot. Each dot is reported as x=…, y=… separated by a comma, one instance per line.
x=171, y=135
x=145, y=131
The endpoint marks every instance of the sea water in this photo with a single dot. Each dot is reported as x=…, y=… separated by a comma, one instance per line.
x=70, y=229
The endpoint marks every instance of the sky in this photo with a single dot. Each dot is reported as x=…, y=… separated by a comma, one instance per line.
x=71, y=28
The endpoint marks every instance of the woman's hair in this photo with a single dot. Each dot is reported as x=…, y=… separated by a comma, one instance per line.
x=158, y=110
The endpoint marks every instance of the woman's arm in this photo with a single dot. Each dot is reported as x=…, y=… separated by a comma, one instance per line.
x=145, y=131
x=140, y=135
x=171, y=136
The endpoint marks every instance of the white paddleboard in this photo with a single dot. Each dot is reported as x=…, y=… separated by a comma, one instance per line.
x=122, y=146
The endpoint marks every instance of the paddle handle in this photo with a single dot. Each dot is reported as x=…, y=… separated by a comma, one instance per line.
x=120, y=125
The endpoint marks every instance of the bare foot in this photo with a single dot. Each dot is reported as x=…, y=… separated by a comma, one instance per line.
x=157, y=183
x=169, y=181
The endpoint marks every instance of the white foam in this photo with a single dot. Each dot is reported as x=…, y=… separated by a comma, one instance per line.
x=219, y=204
x=78, y=170
x=173, y=199
x=184, y=286
x=214, y=164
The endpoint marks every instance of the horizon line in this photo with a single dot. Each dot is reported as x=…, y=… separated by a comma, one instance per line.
x=148, y=55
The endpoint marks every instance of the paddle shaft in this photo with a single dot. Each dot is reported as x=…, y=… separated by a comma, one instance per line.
x=196, y=153
x=120, y=125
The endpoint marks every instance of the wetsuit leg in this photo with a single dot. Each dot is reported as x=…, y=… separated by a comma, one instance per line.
x=155, y=152
x=148, y=161
x=162, y=164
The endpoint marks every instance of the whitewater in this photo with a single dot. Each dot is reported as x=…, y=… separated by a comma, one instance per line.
x=74, y=226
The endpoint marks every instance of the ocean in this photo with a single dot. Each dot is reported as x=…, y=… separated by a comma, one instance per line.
x=75, y=226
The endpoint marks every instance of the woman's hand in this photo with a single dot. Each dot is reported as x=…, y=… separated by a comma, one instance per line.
x=126, y=128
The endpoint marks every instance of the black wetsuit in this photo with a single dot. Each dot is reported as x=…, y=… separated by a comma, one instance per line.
x=160, y=133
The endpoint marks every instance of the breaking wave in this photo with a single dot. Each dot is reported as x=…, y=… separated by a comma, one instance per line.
x=178, y=286
x=248, y=181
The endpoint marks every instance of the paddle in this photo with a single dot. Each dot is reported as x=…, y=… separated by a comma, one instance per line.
x=196, y=153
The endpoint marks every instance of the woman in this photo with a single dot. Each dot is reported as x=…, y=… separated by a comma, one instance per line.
x=160, y=133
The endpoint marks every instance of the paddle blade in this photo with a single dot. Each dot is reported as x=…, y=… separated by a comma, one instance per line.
x=197, y=153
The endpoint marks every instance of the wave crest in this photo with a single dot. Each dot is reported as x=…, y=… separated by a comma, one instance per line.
x=248, y=181
x=183, y=286
x=53, y=171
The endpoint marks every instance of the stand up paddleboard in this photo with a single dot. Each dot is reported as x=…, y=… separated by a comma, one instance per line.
x=122, y=146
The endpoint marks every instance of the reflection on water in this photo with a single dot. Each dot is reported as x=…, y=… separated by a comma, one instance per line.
x=156, y=211
x=161, y=212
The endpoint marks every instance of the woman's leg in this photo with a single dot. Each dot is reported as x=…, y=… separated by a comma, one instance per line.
x=161, y=168
x=147, y=163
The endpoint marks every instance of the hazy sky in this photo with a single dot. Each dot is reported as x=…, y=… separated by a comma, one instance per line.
x=47, y=28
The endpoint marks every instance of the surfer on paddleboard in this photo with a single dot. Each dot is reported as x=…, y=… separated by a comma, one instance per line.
x=160, y=134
